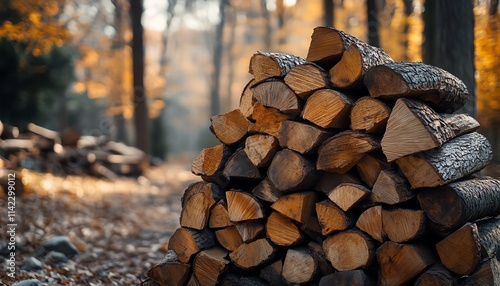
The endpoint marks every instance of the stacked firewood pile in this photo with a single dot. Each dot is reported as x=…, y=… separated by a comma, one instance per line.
x=344, y=168
x=67, y=153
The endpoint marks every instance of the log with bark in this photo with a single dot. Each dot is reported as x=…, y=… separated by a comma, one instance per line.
x=266, y=65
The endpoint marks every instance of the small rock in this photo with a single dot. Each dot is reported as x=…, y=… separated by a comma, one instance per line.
x=33, y=264
x=61, y=244
x=30, y=282
x=55, y=257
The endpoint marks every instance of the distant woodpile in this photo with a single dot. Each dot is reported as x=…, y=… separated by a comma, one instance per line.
x=66, y=153
x=344, y=168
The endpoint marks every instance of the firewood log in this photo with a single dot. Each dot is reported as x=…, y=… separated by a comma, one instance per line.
x=254, y=254
x=149, y=282
x=289, y=171
x=313, y=229
x=328, y=108
x=266, y=65
x=240, y=168
x=341, y=152
x=455, y=159
x=301, y=137
x=233, y=279
x=297, y=206
x=400, y=263
x=348, y=250
x=250, y=230
x=260, y=149
x=229, y=237
x=230, y=127
x=267, y=120
x=276, y=94
x=243, y=206
x=402, y=225
x=316, y=250
x=355, y=62
x=169, y=271
x=415, y=127
x=209, y=265
x=437, y=275
x=462, y=251
x=332, y=218
x=219, y=217
x=196, y=207
x=329, y=181
x=441, y=90
x=348, y=195
x=369, y=115
x=391, y=188
x=247, y=100
x=282, y=231
x=488, y=273
x=210, y=162
x=370, y=221
x=328, y=45
x=272, y=273
x=299, y=267
x=370, y=165
x=188, y=242
x=469, y=199
x=193, y=281
x=353, y=277
x=266, y=191
x=306, y=78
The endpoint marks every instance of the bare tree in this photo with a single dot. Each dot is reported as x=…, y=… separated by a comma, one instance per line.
x=164, y=37
x=328, y=13
x=372, y=22
x=217, y=59
x=267, y=19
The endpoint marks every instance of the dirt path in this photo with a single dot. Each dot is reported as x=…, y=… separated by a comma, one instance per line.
x=119, y=228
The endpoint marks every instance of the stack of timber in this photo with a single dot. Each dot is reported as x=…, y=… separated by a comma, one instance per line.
x=344, y=168
x=66, y=153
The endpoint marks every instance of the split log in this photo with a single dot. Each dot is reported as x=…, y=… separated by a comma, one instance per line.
x=272, y=273
x=328, y=108
x=266, y=65
x=282, y=231
x=243, y=206
x=299, y=267
x=301, y=137
x=415, y=127
x=276, y=94
x=402, y=225
x=306, y=78
x=370, y=165
x=247, y=101
x=331, y=218
x=289, y=171
x=370, y=221
x=355, y=62
x=266, y=191
x=211, y=161
x=456, y=159
x=219, y=217
x=369, y=115
x=267, y=120
x=437, y=275
x=349, y=250
x=328, y=45
x=188, y=242
x=462, y=251
x=342, y=151
x=233, y=279
x=209, y=265
x=193, y=281
x=488, y=273
x=313, y=229
x=316, y=250
x=169, y=271
x=260, y=149
x=348, y=195
x=196, y=207
x=329, y=181
x=353, y=277
x=391, y=188
x=239, y=167
x=254, y=254
x=229, y=237
x=230, y=127
x=250, y=230
x=441, y=90
x=298, y=206
x=470, y=200
x=400, y=263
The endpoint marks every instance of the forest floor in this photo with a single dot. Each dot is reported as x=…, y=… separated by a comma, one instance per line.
x=120, y=228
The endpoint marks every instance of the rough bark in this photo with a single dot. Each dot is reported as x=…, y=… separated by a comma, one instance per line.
x=266, y=65
x=188, y=242
x=169, y=271
x=275, y=93
x=328, y=108
x=369, y=115
x=488, y=273
x=297, y=206
x=282, y=231
x=243, y=206
x=352, y=277
x=301, y=137
x=253, y=254
x=437, y=275
x=299, y=266
x=289, y=171
x=441, y=90
x=349, y=250
x=230, y=127
x=306, y=78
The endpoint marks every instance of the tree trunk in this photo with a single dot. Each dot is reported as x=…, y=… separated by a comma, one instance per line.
x=141, y=117
x=217, y=59
x=329, y=12
x=372, y=22
x=449, y=42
